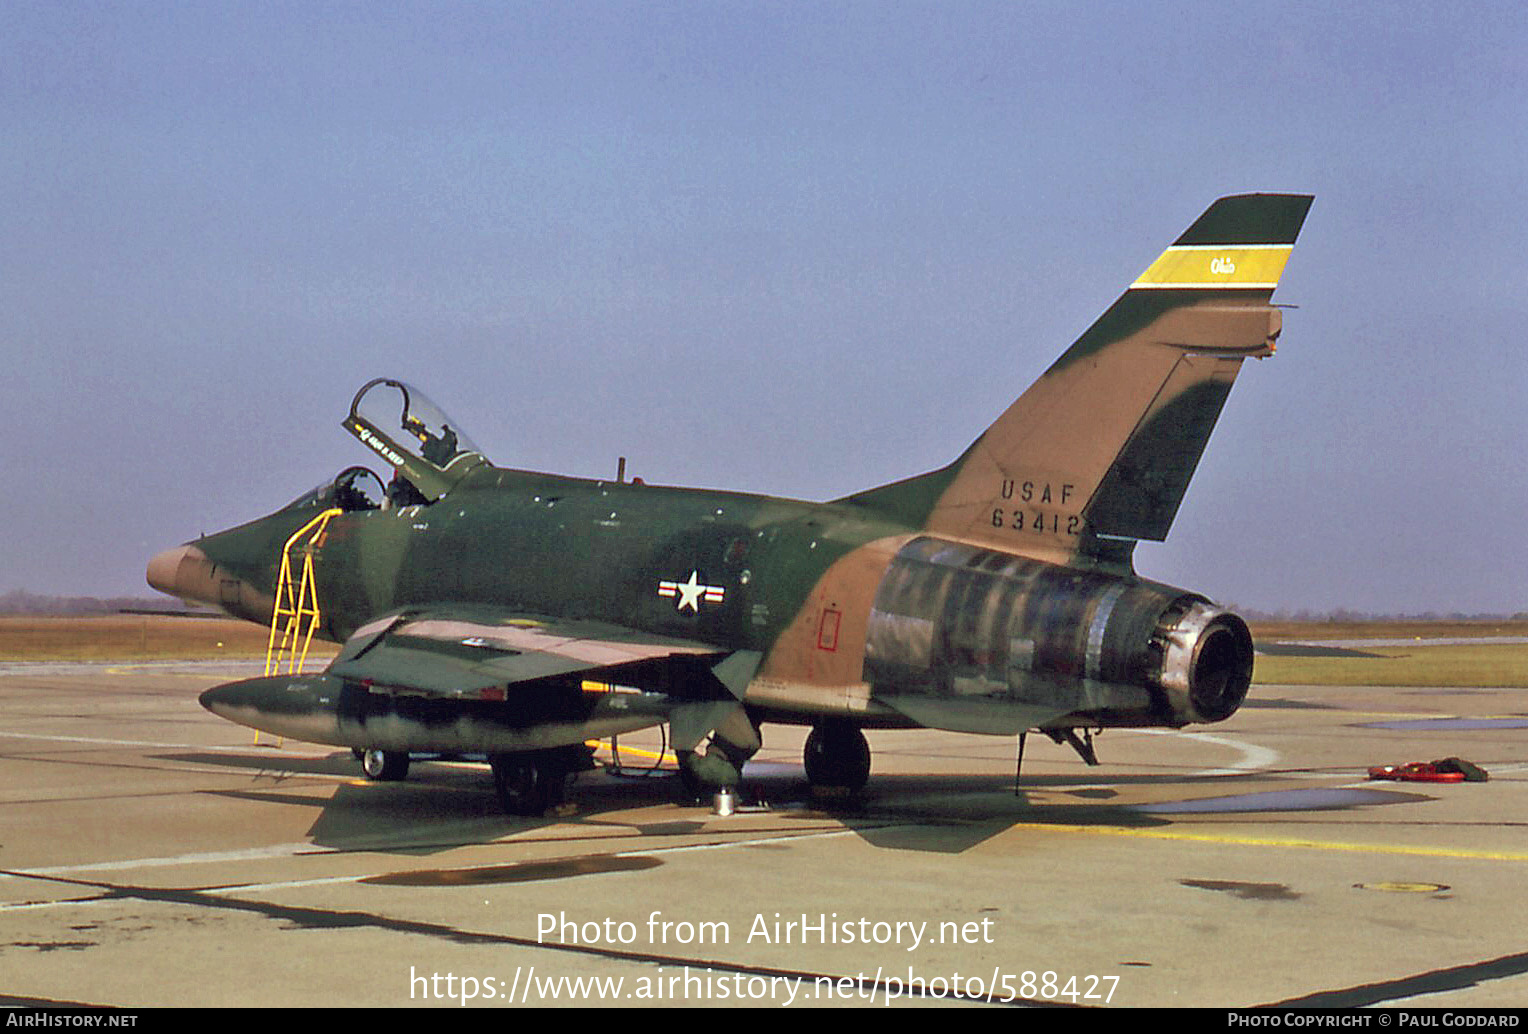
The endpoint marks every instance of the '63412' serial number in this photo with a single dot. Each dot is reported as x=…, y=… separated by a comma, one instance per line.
x=1022, y=520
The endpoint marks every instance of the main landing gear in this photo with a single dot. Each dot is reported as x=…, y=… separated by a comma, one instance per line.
x=733, y=742
x=529, y=782
x=837, y=755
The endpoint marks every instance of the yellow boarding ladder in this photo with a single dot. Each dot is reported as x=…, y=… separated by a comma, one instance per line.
x=296, y=614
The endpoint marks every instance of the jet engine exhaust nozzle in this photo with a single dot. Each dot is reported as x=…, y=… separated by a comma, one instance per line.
x=1206, y=663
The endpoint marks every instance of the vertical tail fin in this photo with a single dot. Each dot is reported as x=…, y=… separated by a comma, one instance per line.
x=1102, y=447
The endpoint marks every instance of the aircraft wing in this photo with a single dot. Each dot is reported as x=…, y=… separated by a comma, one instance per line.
x=486, y=680
x=481, y=653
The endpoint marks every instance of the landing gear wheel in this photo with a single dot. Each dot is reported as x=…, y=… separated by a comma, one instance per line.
x=385, y=765
x=529, y=783
x=837, y=755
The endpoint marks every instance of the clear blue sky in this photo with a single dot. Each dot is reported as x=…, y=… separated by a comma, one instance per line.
x=799, y=249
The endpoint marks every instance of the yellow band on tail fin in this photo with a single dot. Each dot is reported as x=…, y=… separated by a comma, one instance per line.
x=1194, y=266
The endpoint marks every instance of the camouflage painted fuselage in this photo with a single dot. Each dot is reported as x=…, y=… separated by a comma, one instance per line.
x=853, y=613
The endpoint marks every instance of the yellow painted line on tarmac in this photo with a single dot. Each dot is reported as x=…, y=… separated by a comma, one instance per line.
x=638, y=751
x=1281, y=842
x=162, y=669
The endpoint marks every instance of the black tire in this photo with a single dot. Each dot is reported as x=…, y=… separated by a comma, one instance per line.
x=837, y=754
x=528, y=783
x=385, y=765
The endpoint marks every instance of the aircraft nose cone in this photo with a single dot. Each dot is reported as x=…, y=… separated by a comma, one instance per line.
x=227, y=700
x=220, y=700
x=184, y=572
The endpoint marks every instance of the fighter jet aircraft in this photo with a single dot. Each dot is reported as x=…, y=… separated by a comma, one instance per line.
x=485, y=610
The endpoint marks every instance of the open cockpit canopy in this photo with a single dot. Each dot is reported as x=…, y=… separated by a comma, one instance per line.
x=399, y=423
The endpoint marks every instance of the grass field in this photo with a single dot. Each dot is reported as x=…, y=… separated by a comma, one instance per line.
x=1317, y=630
x=1476, y=664
x=1405, y=663
x=1411, y=660
x=133, y=637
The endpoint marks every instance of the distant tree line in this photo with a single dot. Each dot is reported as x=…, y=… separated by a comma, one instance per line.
x=1342, y=615
x=20, y=601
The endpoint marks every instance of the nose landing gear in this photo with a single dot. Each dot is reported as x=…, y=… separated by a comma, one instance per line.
x=385, y=765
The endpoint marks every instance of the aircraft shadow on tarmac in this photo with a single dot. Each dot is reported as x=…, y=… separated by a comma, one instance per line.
x=443, y=806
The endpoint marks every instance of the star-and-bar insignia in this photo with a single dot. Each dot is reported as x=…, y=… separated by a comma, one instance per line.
x=691, y=593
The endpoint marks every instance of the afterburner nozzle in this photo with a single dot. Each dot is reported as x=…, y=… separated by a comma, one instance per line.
x=1206, y=663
